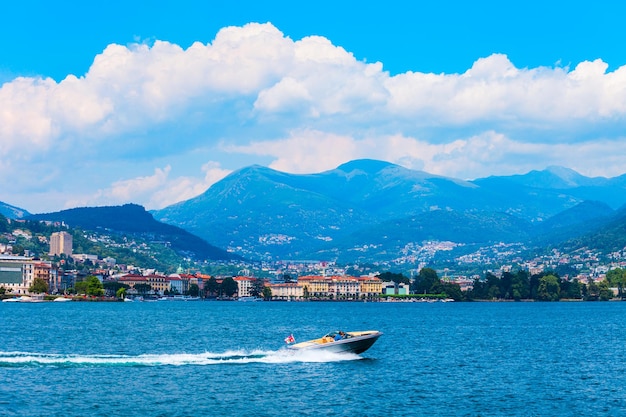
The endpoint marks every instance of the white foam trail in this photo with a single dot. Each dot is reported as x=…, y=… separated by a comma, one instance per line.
x=281, y=356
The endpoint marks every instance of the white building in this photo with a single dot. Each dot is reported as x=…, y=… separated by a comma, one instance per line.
x=16, y=273
x=287, y=291
x=244, y=286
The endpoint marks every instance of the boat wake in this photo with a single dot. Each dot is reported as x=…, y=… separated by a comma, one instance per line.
x=281, y=356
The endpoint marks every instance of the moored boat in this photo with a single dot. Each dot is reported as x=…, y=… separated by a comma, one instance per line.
x=339, y=341
x=37, y=298
x=248, y=299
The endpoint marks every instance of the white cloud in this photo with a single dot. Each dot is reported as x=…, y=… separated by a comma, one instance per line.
x=184, y=188
x=154, y=191
x=306, y=104
x=494, y=91
x=285, y=95
x=305, y=151
x=489, y=153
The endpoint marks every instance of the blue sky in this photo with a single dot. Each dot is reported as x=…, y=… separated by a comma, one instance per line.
x=57, y=38
x=110, y=103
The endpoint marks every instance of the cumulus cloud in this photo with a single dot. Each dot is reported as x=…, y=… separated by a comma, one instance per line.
x=154, y=191
x=489, y=153
x=184, y=188
x=305, y=104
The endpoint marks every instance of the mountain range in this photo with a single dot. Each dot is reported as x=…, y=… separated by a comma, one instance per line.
x=369, y=210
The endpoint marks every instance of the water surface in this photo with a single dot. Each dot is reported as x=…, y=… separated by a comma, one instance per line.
x=228, y=358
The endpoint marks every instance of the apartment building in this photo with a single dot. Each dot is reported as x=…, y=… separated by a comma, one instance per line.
x=60, y=244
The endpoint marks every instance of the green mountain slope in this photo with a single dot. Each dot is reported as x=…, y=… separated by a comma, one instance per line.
x=12, y=212
x=134, y=219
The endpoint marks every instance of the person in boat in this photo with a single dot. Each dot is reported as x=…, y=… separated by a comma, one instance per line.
x=340, y=335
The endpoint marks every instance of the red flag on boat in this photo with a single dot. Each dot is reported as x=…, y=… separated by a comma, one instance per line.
x=290, y=339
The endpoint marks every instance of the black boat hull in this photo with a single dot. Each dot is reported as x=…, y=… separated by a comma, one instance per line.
x=354, y=344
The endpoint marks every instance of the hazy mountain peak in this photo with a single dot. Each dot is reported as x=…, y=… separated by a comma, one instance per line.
x=369, y=166
x=566, y=174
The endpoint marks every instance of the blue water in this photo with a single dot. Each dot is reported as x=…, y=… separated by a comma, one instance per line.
x=228, y=359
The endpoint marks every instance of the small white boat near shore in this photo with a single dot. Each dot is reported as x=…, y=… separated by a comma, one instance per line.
x=25, y=299
x=249, y=299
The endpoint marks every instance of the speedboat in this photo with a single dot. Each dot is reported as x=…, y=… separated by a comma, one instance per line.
x=339, y=341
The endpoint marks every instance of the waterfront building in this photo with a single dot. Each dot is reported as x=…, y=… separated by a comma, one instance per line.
x=158, y=283
x=16, y=273
x=287, y=291
x=370, y=287
x=60, y=244
x=68, y=280
x=201, y=279
x=44, y=270
x=340, y=287
x=315, y=286
x=244, y=286
x=344, y=288
x=132, y=279
x=189, y=279
x=176, y=284
x=394, y=288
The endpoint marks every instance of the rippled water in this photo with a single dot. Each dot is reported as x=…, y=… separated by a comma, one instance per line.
x=228, y=358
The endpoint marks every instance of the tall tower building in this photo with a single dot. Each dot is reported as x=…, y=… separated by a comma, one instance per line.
x=60, y=243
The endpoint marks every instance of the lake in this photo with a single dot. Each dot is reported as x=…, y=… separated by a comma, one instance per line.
x=228, y=359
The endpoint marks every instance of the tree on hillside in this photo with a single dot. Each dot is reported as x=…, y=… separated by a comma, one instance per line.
x=229, y=287
x=452, y=290
x=257, y=287
x=90, y=286
x=534, y=285
x=549, y=288
x=194, y=290
x=267, y=293
x=39, y=285
x=520, y=286
x=617, y=278
x=143, y=289
x=112, y=287
x=17, y=250
x=4, y=224
x=121, y=293
x=605, y=292
x=425, y=281
x=393, y=277
x=571, y=289
x=211, y=287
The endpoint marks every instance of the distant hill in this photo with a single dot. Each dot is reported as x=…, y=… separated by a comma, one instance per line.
x=582, y=218
x=263, y=213
x=134, y=219
x=395, y=237
x=12, y=212
x=607, y=237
